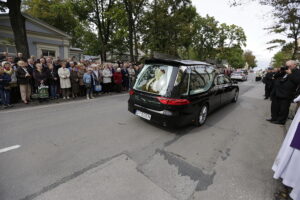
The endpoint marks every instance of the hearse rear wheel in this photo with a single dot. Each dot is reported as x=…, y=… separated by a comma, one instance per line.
x=202, y=115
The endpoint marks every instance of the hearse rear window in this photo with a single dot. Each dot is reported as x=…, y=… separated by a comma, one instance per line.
x=154, y=79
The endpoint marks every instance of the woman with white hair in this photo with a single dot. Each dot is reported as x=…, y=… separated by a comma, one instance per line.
x=65, y=83
x=107, y=75
x=24, y=79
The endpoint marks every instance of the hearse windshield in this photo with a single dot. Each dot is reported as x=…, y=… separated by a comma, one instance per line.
x=154, y=78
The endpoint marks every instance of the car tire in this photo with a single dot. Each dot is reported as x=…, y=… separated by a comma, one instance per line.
x=236, y=96
x=202, y=115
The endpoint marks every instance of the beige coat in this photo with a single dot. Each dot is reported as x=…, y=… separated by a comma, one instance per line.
x=64, y=75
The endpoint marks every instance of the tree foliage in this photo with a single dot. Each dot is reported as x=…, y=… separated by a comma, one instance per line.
x=286, y=15
x=250, y=59
x=283, y=55
x=168, y=26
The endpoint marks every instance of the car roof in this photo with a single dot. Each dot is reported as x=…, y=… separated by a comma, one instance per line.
x=176, y=62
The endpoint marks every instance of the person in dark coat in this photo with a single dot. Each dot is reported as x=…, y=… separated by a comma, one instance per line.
x=125, y=76
x=19, y=57
x=24, y=77
x=268, y=81
x=5, y=88
x=283, y=93
x=40, y=76
x=3, y=57
x=31, y=68
x=74, y=77
x=53, y=81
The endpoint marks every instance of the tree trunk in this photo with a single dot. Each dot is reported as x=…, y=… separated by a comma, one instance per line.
x=136, y=48
x=17, y=21
x=295, y=48
x=129, y=10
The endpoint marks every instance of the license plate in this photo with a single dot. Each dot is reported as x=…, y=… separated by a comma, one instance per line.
x=143, y=115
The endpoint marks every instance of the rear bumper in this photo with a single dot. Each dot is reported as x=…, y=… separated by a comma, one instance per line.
x=165, y=118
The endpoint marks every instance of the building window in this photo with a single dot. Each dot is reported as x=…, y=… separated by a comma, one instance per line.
x=10, y=49
x=48, y=53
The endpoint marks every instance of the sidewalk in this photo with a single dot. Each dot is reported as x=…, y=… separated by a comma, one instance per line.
x=35, y=102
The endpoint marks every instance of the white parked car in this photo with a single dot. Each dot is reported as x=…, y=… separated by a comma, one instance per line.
x=239, y=76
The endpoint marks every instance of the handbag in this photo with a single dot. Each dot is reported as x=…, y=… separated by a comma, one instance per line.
x=7, y=87
x=43, y=92
x=98, y=88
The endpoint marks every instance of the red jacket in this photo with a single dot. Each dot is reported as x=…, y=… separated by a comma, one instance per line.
x=118, y=78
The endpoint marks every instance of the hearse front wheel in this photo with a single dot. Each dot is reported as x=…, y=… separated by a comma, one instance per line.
x=236, y=96
x=202, y=115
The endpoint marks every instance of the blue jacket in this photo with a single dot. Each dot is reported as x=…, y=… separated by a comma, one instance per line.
x=87, y=78
x=4, y=80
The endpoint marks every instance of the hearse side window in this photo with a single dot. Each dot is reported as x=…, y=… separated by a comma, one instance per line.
x=201, y=79
x=182, y=82
x=154, y=78
x=221, y=80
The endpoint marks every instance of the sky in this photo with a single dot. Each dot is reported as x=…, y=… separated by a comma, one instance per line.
x=252, y=17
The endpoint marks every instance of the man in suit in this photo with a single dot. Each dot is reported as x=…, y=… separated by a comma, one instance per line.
x=284, y=92
x=4, y=56
x=19, y=57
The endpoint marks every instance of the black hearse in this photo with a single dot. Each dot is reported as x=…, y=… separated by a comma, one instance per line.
x=179, y=92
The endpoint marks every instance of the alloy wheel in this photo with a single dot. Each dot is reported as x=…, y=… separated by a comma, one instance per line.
x=203, y=114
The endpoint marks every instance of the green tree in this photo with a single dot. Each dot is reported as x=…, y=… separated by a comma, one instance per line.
x=287, y=21
x=206, y=37
x=134, y=9
x=283, y=55
x=234, y=56
x=167, y=25
x=101, y=14
x=286, y=15
x=250, y=59
x=58, y=13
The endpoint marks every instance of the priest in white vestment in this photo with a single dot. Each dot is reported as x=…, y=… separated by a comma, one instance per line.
x=287, y=163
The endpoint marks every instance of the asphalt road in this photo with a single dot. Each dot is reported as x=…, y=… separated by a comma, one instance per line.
x=96, y=149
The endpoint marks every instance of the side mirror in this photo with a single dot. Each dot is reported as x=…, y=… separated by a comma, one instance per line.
x=235, y=82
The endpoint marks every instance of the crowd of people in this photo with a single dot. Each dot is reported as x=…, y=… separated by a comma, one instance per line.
x=47, y=78
x=282, y=87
